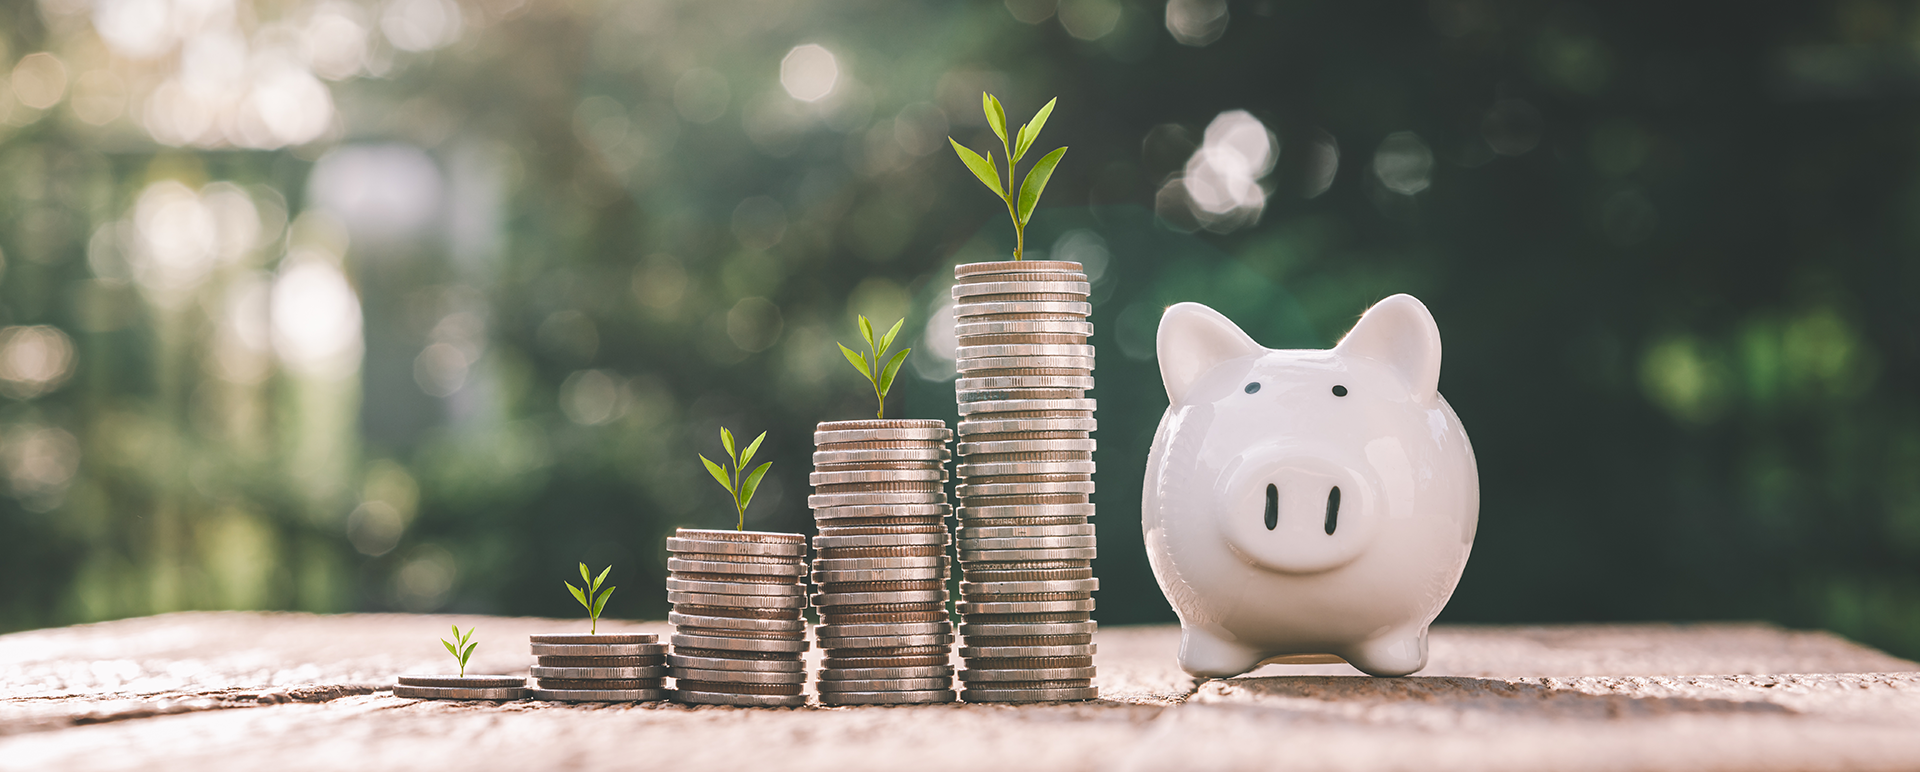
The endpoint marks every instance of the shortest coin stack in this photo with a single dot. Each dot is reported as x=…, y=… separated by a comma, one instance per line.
x=738, y=633
x=599, y=668
x=445, y=687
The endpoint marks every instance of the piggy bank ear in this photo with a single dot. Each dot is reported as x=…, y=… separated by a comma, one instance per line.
x=1400, y=332
x=1193, y=338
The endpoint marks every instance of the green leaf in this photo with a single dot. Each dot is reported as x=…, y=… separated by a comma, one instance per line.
x=1031, y=131
x=719, y=473
x=586, y=578
x=996, y=115
x=601, y=604
x=887, y=342
x=577, y=594
x=982, y=167
x=469, y=653
x=726, y=439
x=858, y=360
x=866, y=330
x=753, y=482
x=893, y=369
x=450, y=648
x=1037, y=182
x=602, y=577
x=747, y=455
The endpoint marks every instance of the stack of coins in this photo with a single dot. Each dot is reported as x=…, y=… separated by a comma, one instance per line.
x=446, y=687
x=599, y=668
x=1026, y=481
x=738, y=633
x=880, y=501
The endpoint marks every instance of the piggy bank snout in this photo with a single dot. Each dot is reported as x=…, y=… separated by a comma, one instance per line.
x=1296, y=514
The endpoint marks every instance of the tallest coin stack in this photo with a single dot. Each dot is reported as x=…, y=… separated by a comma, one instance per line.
x=1026, y=481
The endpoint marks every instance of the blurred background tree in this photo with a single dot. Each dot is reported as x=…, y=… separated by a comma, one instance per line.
x=415, y=304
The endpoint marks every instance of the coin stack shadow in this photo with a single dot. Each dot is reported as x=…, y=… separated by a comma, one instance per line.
x=738, y=632
x=880, y=501
x=1026, y=481
x=599, y=668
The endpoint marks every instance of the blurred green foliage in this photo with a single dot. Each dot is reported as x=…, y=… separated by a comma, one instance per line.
x=461, y=319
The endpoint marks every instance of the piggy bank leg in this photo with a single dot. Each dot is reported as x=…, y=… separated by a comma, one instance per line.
x=1397, y=653
x=1206, y=655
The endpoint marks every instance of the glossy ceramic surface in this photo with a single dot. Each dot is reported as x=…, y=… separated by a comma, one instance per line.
x=1307, y=502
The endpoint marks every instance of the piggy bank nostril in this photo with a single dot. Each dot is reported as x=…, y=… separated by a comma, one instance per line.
x=1333, y=508
x=1273, y=507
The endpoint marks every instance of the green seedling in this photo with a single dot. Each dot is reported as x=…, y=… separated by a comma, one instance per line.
x=1020, y=199
x=742, y=491
x=594, y=602
x=880, y=377
x=461, y=647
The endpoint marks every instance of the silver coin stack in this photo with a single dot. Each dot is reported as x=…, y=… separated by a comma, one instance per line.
x=880, y=502
x=1026, y=481
x=429, y=687
x=599, y=668
x=738, y=633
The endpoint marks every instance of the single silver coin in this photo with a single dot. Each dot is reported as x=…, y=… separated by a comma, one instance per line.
x=1027, y=652
x=881, y=575
x=597, y=649
x=1035, y=674
x=1028, y=543
x=970, y=489
x=1005, y=555
x=1023, y=531
x=795, y=601
x=578, y=673
x=1025, y=588
x=463, y=682
x=597, y=695
x=819, y=501
x=1083, y=382
x=972, y=472
x=999, y=512
x=795, y=665
x=936, y=697
x=837, y=437
x=591, y=638
x=741, y=676
x=1025, y=350
x=683, y=545
x=863, y=564
x=829, y=633
x=740, y=700
x=457, y=693
x=1023, y=327
x=881, y=540
x=1023, y=425
x=877, y=475
x=937, y=510
x=678, y=619
x=975, y=449
x=884, y=673
x=935, y=455
x=1027, y=630
x=727, y=643
x=689, y=566
x=886, y=641
x=678, y=584
x=967, y=607
x=974, y=271
x=1058, y=309
x=889, y=685
x=825, y=601
x=1016, y=287
x=733, y=536
x=1079, y=365
x=1030, y=695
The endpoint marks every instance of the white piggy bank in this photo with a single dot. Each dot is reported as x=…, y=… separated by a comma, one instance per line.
x=1307, y=502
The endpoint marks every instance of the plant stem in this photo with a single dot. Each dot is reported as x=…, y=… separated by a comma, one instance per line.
x=1019, y=231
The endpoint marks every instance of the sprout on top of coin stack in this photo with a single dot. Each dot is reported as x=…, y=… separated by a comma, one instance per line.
x=737, y=600
x=881, y=566
x=1026, y=481
x=598, y=668
x=462, y=686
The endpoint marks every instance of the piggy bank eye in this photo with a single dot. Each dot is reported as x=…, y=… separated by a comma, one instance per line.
x=1253, y=387
x=1339, y=391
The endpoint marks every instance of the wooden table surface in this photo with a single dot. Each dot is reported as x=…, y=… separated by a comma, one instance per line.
x=216, y=691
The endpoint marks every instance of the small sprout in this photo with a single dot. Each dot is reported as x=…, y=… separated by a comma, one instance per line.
x=742, y=491
x=593, y=602
x=880, y=377
x=1020, y=199
x=461, y=648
